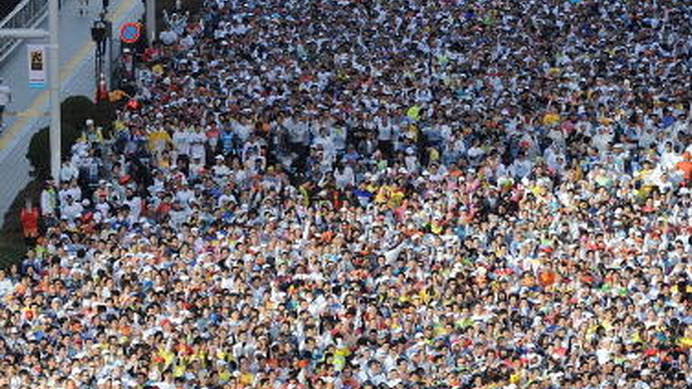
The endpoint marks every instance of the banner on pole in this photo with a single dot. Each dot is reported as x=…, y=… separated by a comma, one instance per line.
x=37, y=66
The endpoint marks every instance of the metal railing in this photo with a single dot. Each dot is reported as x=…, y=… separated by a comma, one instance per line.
x=28, y=14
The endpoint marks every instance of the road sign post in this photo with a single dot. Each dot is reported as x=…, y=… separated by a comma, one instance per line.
x=54, y=76
x=150, y=13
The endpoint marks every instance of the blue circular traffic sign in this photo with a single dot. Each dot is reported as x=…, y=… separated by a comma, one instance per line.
x=130, y=32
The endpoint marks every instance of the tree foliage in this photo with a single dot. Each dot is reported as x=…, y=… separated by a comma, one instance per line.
x=74, y=111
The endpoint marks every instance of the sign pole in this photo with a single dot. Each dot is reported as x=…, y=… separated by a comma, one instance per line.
x=151, y=21
x=54, y=75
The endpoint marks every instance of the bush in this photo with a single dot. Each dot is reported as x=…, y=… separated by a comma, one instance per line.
x=74, y=111
x=12, y=246
x=39, y=148
x=104, y=116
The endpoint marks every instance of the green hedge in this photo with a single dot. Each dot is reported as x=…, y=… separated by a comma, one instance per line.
x=39, y=148
x=75, y=111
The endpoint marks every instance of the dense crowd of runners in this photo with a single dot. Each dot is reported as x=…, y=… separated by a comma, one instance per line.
x=375, y=194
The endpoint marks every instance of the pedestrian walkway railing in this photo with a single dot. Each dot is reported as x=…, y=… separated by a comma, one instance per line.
x=28, y=14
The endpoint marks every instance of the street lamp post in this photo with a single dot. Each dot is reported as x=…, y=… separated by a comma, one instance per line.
x=150, y=12
x=54, y=74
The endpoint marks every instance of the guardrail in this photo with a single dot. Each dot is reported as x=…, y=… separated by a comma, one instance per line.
x=28, y=14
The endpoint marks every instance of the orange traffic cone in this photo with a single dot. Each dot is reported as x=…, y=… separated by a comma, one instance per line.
x=102, y=90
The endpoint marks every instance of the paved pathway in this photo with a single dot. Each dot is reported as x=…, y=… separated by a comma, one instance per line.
x=27, y=112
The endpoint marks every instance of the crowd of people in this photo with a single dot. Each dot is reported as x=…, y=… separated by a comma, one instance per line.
x=375, y=194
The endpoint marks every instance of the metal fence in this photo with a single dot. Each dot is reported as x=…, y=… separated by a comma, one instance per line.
x=7, y=6
x=28, y=14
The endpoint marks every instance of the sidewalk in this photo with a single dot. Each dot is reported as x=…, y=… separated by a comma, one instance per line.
x=27, y=112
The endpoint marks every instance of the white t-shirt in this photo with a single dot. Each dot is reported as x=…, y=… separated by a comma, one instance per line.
x=221, y=170
x=4, y=95
x=344, y=178
x=241, y=129
x=182, y=142
x=184, y=196
x=68, y=172
x=103, y=208
x=384, y=129
x=300, y=132
x=75, y=192
x=669, y=159
x=72, y=211
x=197, y=139
x=135, y=205
x=6, y=286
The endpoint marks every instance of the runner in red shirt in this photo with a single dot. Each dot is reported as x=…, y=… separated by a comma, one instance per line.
x=29, y=219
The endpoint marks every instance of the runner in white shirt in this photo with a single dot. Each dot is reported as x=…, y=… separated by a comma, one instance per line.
x=181, y=139
x=197, y=141
x=68, y=171
x=5, y=99
x=71, y=210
